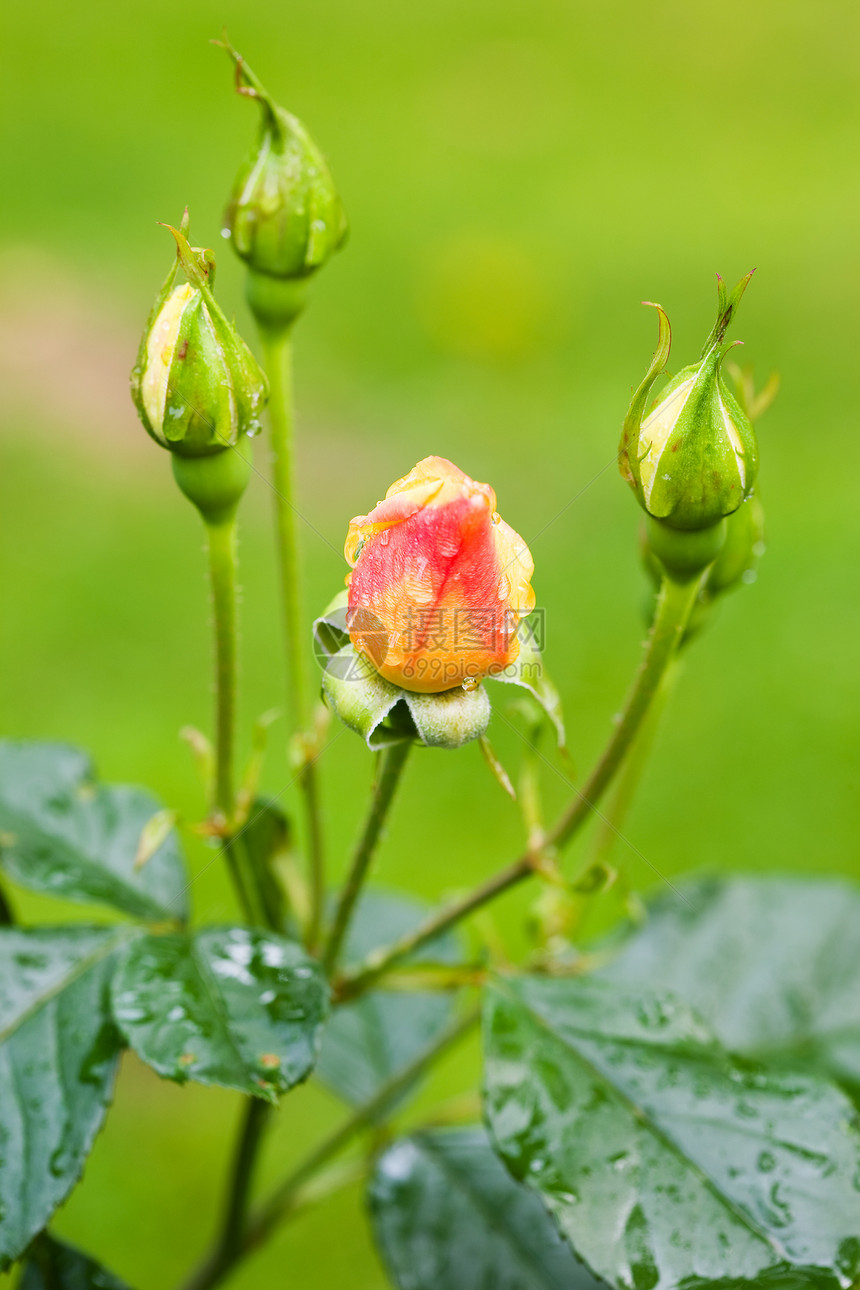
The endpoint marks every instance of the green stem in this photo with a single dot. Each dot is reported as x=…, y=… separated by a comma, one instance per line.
x=223, y=572
x=285, y=1198
x=631, y=775
x=673, y=609
x=277, y=356
x=391, y=767
x=254, y=1123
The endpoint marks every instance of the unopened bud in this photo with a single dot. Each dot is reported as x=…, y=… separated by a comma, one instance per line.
x=285, y=218
x=196, y=385
x=693, y=459
x=741, y=551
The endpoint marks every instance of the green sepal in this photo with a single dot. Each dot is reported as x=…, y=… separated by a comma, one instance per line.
x=529, y=672
x=330, y=630
x=359, y=696
x=285, y=215
x=629, y=447
x=451, y=718
x=741, y=551
x=383, y=713
x=727, y=307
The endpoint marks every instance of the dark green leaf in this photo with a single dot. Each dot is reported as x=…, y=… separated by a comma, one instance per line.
x=51, y=1265
x=63, y=834
x=58, y=1051
x=664, y=1160
x=772, y=964
x=229, y=1005
x=368, y=1041
x=448, y=1216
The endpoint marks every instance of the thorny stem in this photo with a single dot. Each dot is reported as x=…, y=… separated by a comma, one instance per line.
x=277, y=357
x=284, y=1200
x=393, y=760
x=673, y=610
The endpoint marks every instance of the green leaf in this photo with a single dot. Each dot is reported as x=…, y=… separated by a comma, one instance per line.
x=772, y=964
x=228, y=1005
x=372, y=1039
x=51, y=1265
x=58, y=1052
x=63, y=834
x=663, y=1160
x=447, y=1216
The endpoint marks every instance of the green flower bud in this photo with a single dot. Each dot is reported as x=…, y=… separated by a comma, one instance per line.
x=285, y=217
x=196, y=385
x=741, y=551
x=693, y=459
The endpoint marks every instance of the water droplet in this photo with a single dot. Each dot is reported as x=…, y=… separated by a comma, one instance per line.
x=384, y=537
x=504, y=587
x=497, y=519
x=470, y=683
x=766, y=1162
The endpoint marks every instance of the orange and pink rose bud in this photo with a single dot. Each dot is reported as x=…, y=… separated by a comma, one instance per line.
x=439, y=582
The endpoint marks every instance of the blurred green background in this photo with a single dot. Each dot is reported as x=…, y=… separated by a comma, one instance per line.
x=519, y=176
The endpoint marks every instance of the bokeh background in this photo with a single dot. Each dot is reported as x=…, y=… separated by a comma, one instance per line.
x=519, y=176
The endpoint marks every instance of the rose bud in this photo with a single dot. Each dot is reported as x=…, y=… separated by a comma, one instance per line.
x=693, y=459
x=196, y=385
x=439, y=582
x=741, y=551
x=285, y=217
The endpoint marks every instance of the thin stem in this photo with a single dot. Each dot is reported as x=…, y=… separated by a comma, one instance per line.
x=254, y=1123
x=674, y=606
x=277, y=357
x=393, y=760
x=223, y=572
x=286, y=1198
x=631, y=775
x=673, y=609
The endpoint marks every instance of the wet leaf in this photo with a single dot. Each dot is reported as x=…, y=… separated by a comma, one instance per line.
x=446, y=1213
x=368, y=1041
x=65, y=835
x=229, y=1005
x=663, y=1160
x=58, y=1053
x=773, y=965
x=51, y=1265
